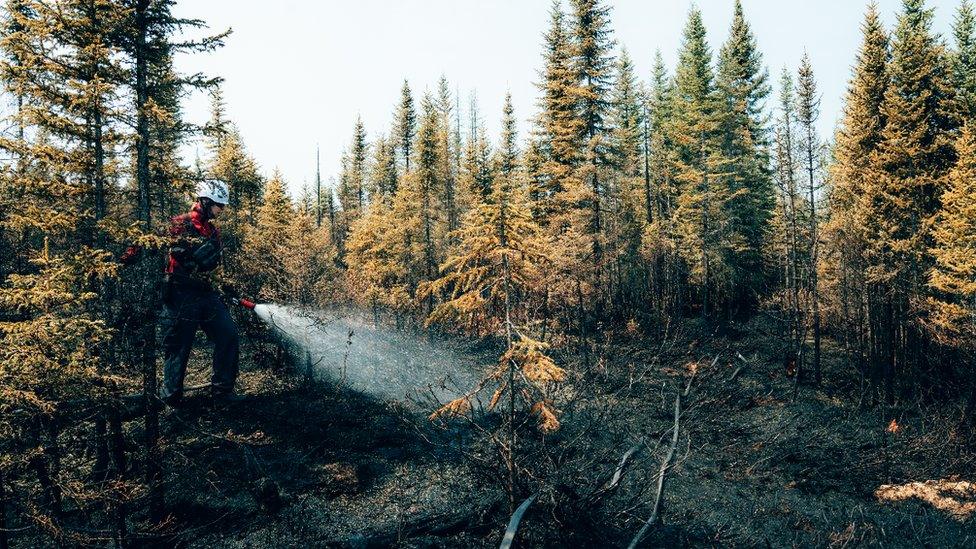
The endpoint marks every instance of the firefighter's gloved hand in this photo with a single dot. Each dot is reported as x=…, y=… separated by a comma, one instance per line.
x=230, y=291
x=207, y=255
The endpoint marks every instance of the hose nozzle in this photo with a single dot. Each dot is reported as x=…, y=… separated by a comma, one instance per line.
x=246, y=303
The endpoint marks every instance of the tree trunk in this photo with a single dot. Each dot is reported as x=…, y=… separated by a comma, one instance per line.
x=149, y=382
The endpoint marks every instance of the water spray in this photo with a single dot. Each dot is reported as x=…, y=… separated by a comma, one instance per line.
x=347, y=348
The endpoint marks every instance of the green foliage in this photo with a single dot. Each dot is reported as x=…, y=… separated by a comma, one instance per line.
x=953, y=276
x=742, y=88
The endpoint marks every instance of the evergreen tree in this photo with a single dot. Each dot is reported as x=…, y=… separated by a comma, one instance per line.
x=626, y=119
x=592, y=63
x=269, y=242
x=810, y=149
x=406, y=126
x=964, y=63
x=658, y=242
x=353, y=196
x=856, y=141
x=557, y=126
x=908, y=169
x=742, y=86
x=625, y=192
x=447, y=155
x=953, y=276
x=417, y=204
x=491, y=280
x=702, y=227
x=507, y=156
x=789, y=225
x=383, y=176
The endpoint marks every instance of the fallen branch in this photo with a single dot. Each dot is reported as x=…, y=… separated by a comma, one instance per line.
x=513, y=524
x=745, y=363
x=662, y=476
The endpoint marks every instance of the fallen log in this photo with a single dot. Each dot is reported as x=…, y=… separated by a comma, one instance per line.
x=662, y=476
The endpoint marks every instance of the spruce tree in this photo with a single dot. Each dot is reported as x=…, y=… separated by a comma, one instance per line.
x=507, y=156
x=557, y=126
x=354, y=198
x=658, y=242
x=810, y=149
x=908, y=169
x=953, y=276
x=741, y=83
x=626, y=117
x=855, y=142
x=702, y=225
x=383, y=174
x=625, y=204
x=788, y=222
x=592, y=64
x=964, y=63
x=406, y=126
x=269, y=242
x=447, y=154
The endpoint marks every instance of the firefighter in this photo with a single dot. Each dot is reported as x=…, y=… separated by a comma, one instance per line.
x=191, y=300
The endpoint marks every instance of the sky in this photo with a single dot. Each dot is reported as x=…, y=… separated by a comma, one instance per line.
x=297, y=74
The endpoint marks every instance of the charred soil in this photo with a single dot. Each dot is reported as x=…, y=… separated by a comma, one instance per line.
x=301, y=464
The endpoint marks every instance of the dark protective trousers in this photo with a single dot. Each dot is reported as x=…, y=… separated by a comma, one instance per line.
x=185, y=310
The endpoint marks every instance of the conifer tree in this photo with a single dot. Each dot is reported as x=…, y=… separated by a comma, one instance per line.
x=658, y=242
x=376, y=248
x=269, y=242
x=447, y=155
x=856, y=141
x=406, y=126
x=953, y=276
x=741, y=83
x=420, y=230
x=476, y=169
x=702, y=227
x=309, y=259
x=592, y=64
x=625, y=193
x=63, y=65
x=383, y=175
x=807, y=113
x=491, y=279
x=909, y=166
x=507, y=156
x=626, y=117
x=788, y=223
x=964, y=63
x=353, y=195
x=557, y=126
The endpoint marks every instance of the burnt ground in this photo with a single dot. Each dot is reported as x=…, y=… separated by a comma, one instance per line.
x=302, y=464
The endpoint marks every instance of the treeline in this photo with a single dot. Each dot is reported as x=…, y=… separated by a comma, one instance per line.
x=695, y=192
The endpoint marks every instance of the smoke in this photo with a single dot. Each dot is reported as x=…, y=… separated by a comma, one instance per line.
x=345, y=348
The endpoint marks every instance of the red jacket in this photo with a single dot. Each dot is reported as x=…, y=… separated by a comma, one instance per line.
x=188, y=229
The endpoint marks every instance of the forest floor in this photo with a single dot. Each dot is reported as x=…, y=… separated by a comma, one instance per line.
x=302, y=464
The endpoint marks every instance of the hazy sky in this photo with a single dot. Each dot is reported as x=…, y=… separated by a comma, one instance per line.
x=297, y=73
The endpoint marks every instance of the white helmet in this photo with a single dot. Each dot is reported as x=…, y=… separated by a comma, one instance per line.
x=214, y=190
